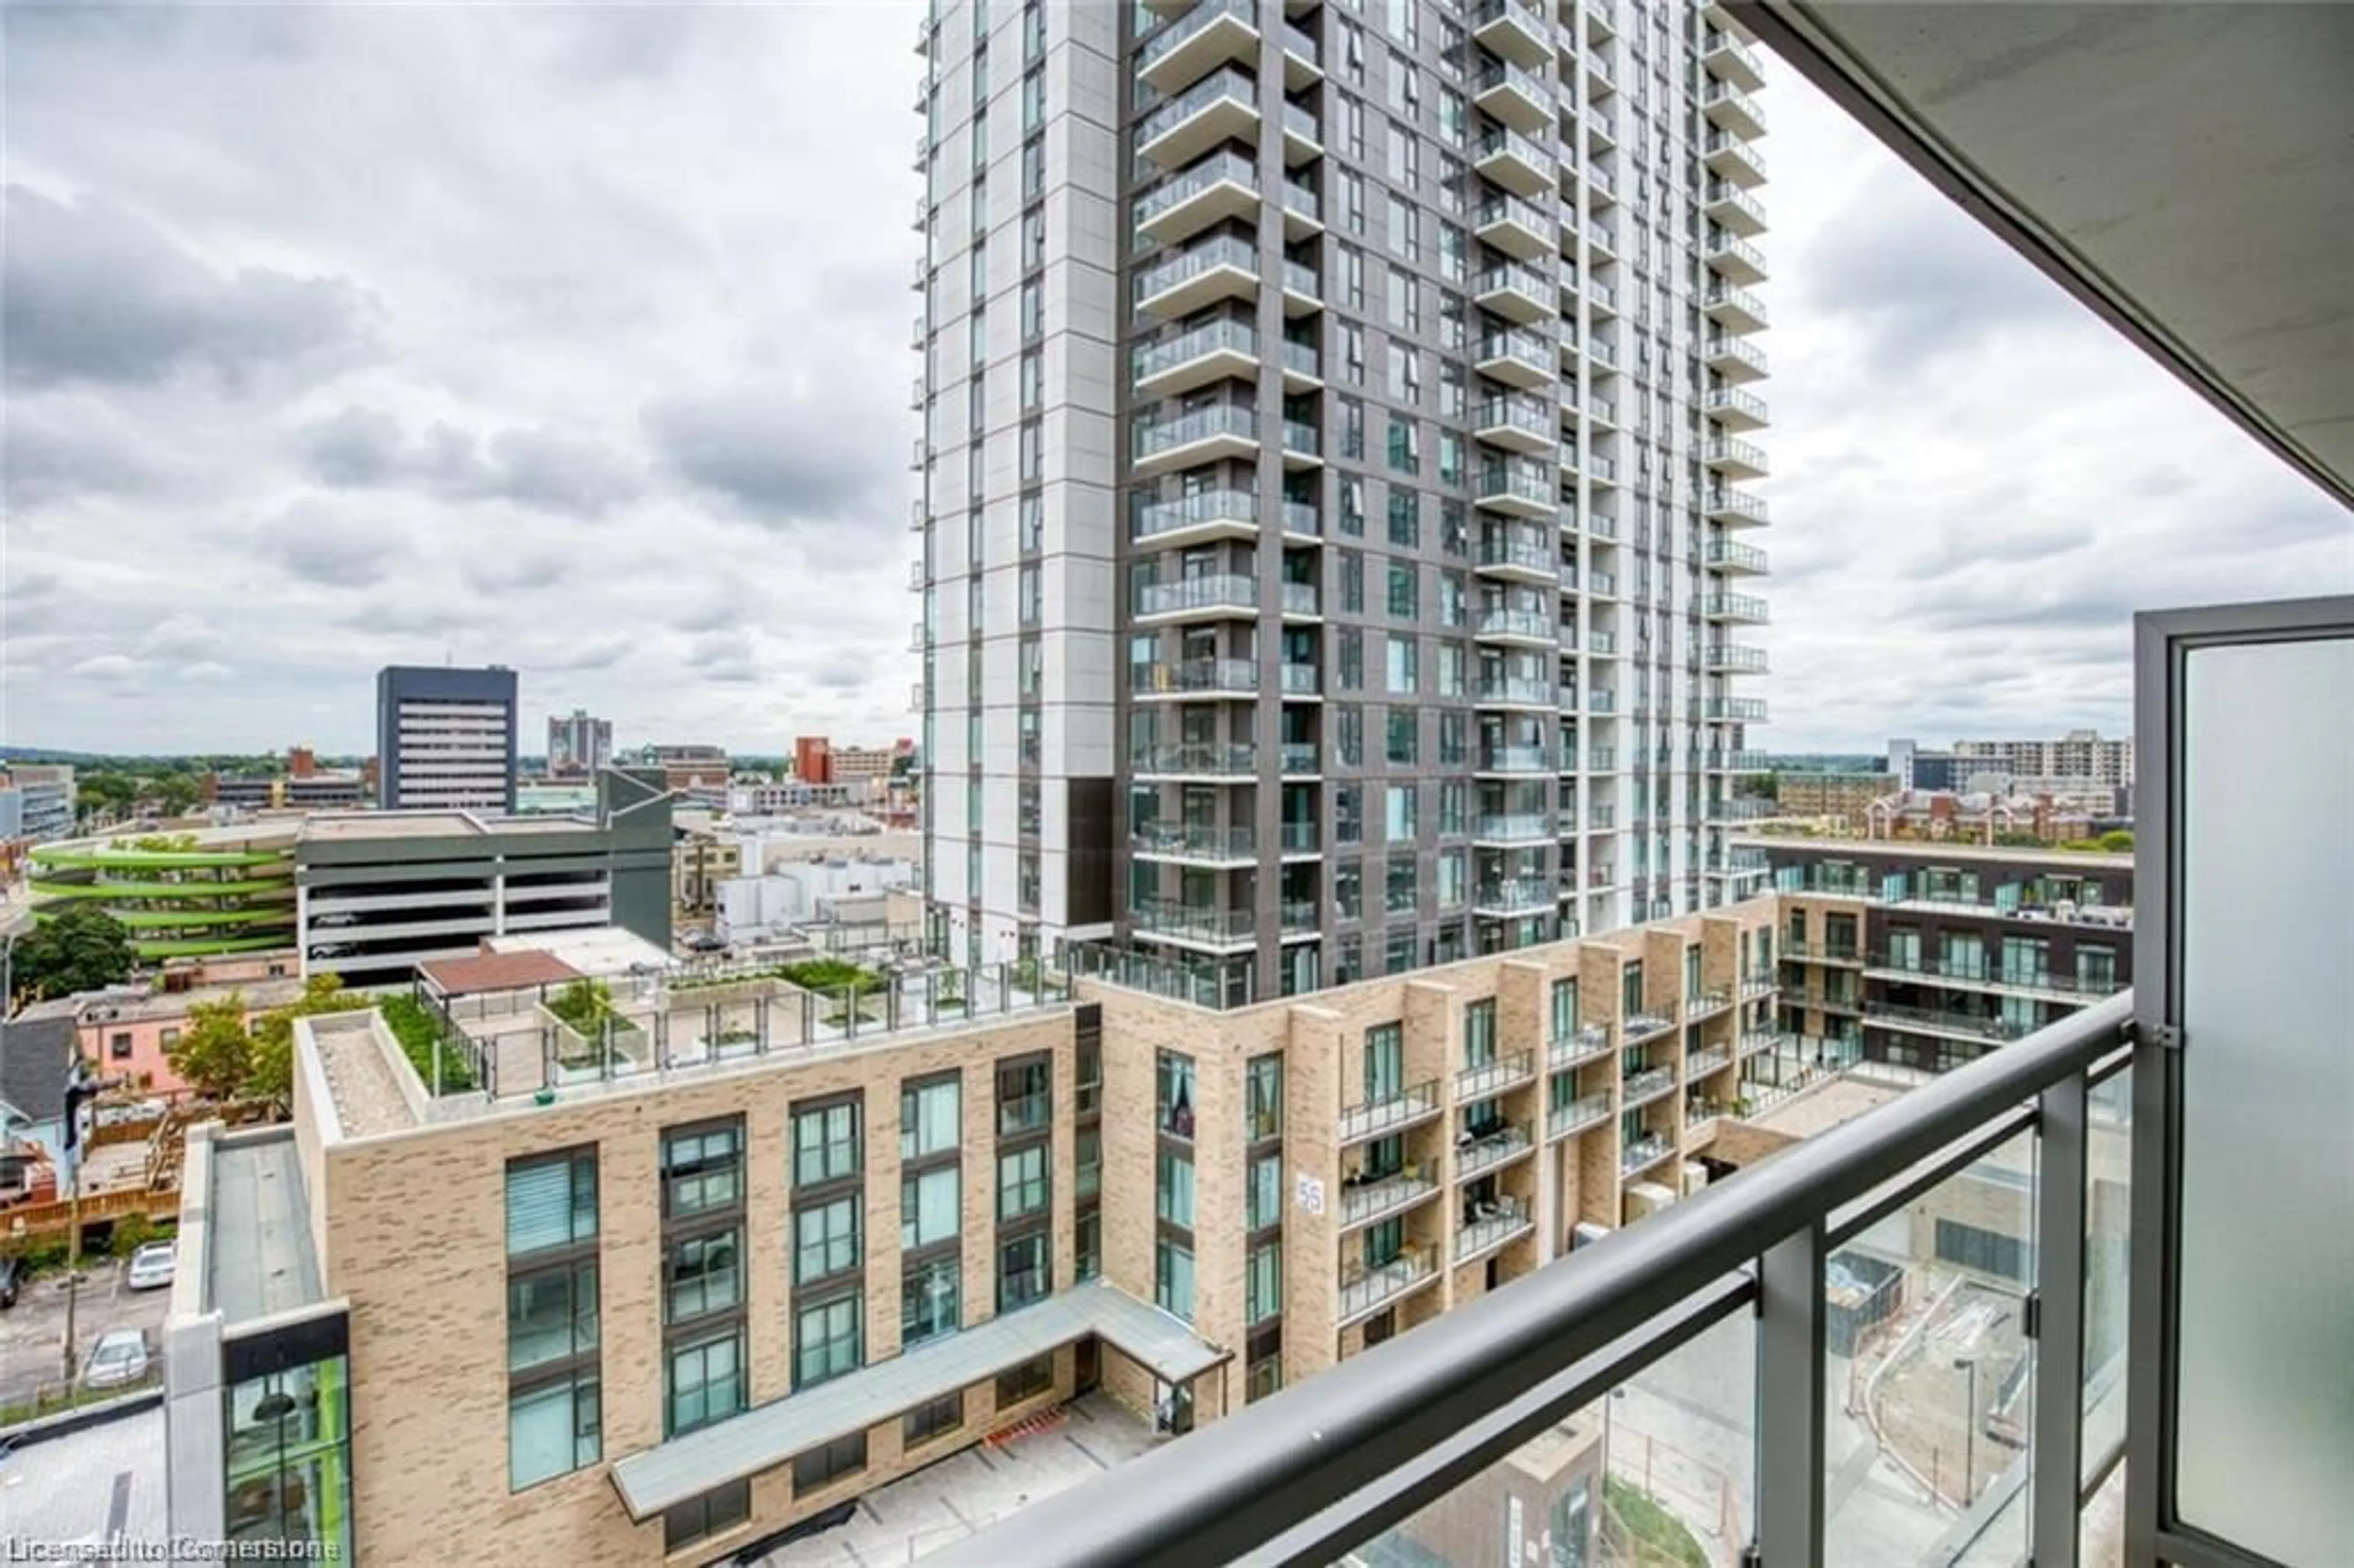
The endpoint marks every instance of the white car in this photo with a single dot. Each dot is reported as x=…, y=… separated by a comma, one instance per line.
x=150, y=1266
x=118, y=1359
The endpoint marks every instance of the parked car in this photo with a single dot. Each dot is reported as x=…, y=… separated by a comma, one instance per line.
x=150, y=1265
x=118, y=1359
x=11, y=1274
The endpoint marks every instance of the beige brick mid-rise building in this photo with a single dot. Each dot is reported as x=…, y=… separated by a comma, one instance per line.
x=739, y=1252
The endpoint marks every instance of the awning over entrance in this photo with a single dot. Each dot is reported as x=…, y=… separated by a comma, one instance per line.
x=765, y=1437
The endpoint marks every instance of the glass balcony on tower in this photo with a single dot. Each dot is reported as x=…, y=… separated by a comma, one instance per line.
x=1735, y=308
x=1513, y=162
x=1516, y=293
x=1516, y=97
x=1730, y=158
x=1735, y=410
x=1179, y=283
x=1221, y=186
x=1187, y=49
x=1226, y=349
x=1514, y=227
x=1218, y=107
x=1516, y=30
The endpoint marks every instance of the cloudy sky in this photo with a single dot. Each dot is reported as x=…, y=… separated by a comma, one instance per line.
x=576, y=339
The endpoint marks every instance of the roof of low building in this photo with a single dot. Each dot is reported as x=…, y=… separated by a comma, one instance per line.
x=35, y=1054
x=497, y=971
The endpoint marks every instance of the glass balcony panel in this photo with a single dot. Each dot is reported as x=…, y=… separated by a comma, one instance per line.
x=1662, y=1471
x=2109, y=1198
x=1930, y=1378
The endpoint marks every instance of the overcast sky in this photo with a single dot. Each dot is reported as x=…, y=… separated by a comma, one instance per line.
x=577, y=340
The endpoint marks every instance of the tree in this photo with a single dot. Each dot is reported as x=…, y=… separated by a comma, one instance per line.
x=104, y=794
x=271, y=1072
x=82, y=949
x=2117, y=841
x=214, y=1053
x=178, y=793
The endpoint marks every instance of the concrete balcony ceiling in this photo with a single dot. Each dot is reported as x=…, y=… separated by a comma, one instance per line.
x=2182, y=169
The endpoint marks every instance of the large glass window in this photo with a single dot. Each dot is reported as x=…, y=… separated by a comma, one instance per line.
x=287, y=1460
x=931, y=1206
x=1384, y=1060
x=1262, y=1285
x=703, y=1274
x=829, y=1339
x=931, y=1118
x=1266, y=1204
x=825, y=1144
x=826, y=1239
x=703, y=1170
x=1479, y=1033
x=930, y=1297
x=551, y=1202
x=1022, y=1184
x=1022, y=1274
x=1173, y=1287
x=705, y=1379
x=1173, y=1188
x=1264, y=1088
x=1025, y=1102
x=1175, y=1096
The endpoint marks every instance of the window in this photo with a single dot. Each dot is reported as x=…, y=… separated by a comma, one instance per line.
x=1985, y=1251
x=1262, y=1285
x=1172, y=1188
x=935, y=1419
x=1028, y=1381
x=1402, y=737
x=1479, y=1033
x=722, y=1507
x=1384, y=1062
x=1023, y=1098
x=1265, y=1193
x=1563, y=1009
x=1404, y=593
x=1401, y=812
x=1022, y=1184
x=1266, y=1377
x=1173, y=1096
x=1022, y=1273
x=829, y=1339
x=930, y=1206
x=554, y=1407
x=1404, y=665
x=930, y=1299
x=825, y=1239
x=931, y=1118
x=1263, y=1085
x=1087, y=1162
x=1089, y=1232
x=1401, y=893
x=703, y=1274
x=825, y=1144
x=1173, y=1278
x=703, y=1170
x=1404, y=302
x=820, y=1468
x=119, y=1048
x=1405, y=446
x=1348, y=889
x=705, y=1379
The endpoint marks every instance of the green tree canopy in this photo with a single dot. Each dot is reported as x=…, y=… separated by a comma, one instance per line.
x=82, y=949
x=271, y=1072
x=214, y=1053
x=2117, y=841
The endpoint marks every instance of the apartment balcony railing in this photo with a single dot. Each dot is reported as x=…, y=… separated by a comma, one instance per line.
x=1298, y=756
x=1301, y=201
x=1238, y=341
x=1497, y=419
x=1821, y=1000
x=1302, y=280
x=1190, y=923
x=1301, y=599
x=1757, y=985
x=1226, y=423
x=1363, y=1202
x=1209, y=513
x=1225, y=87
x=1733, y=456
x=1484, y=1152
x=1300, y=680
x=1512, y=827
x=1367, y=1288
x=1301, y=359
x=1302, y=125
x=1529, y=556
x=1655, y=1018
x=1735, y=658
x=1504, y=89
x=1380, y=1116
x=1238, y=760
x=1226, y=250
x=1733, y=710
x=1993, y=977
x=1491, y=1225
x=1642, y=1089
x=1515, y=691
x=1494, y=1078
x=1735, y=607
x=1529, y=625
x=1699, y=1063
x=1297, y=918
x=1762, y=1040
x=1202, y=675
x=1302, y=45
x=1647, y=1150
x=1701, y=1003
x=1222, y=590
x=1193, y=24
x=1592, y=1110
x=1727, y=105
x=1575, y=1050
x=1945, y=1022
x=1602, y=818
x=1299, y=836
x=1318, y=1472
x=1186, y=184
x=1194, y=841
x=1823, y=952
x=1300, y=517
x=1734, y=157
x=1729, y=556
x=1524, y=895
x=1512, y=759
x=1300, y=437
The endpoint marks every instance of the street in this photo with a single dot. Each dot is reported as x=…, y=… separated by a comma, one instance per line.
x=32, y=1331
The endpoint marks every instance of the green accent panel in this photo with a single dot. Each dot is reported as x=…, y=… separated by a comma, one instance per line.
x=158, y=859
x=204, y=946
x=282, y=914
x=156, y=889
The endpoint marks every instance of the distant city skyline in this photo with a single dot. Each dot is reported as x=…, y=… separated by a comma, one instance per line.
x=365, y=336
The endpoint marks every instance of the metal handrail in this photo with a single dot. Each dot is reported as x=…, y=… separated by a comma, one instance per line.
x=1280, y=1462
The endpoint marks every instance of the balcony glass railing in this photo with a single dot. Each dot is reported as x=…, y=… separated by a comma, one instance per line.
x=1941, y=1022
x=1299, y=199
x=1490, y=1078
x=1194, y=840
x=1236, y=761
x=1518, y=897
x=1534, y=554
x=1218, y=421
x=1503, y=209
x=1194, y=675
x=1228, y=84
x=1301, y=599
x=1223, y=590
x=1529, y=623
x=1579, y=1046
x=1648, y=1085
x=1185, y=28
x=1221, y=250
x=1301, y=279
x=1493, y=1222
x=1512, y=759
x=1513, y=825
x=1300, y=437
x=1188, y=923
x=1301, y=517
x=1365, y=1287
x=1300, y=123
x=1526, y=346
x=1213, y=338
x=1523, y=414
x=1500, y=143
x=1578, y=1115
x=1503, y=74
x=1361, y=1203
x=1302, y=357
x=1297, y=756
x=1385, y=1114
x=1191, y=182
x=1647, y=1150
x=1149, y=518
x=1484, y=1152
x=1515, y=689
